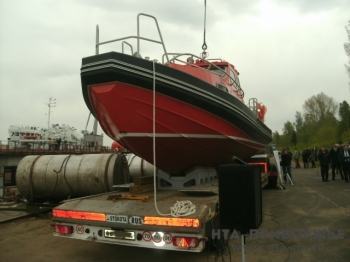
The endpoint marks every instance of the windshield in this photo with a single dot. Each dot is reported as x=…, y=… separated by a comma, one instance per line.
x=216, y=69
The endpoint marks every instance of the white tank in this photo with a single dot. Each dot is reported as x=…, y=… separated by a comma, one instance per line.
x=59, y=176
x=138, y=166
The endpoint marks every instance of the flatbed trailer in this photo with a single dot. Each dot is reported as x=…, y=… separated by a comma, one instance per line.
x=133, y=220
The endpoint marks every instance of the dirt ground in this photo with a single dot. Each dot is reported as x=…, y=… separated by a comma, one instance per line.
x=307, y=206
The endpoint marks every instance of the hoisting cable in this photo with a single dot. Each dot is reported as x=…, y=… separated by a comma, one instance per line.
x=154, y=141
x=204, y=46
x=180, y=208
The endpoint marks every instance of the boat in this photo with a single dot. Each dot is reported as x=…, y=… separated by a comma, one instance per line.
x=23, y=134
x=185, y=110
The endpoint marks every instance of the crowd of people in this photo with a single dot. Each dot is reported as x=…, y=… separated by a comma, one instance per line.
x=338, y=158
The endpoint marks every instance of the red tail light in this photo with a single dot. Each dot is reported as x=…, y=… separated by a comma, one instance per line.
x=187, y=242
x=262, y=164
x=63, y=230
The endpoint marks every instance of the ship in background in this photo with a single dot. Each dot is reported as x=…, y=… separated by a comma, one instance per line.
x=37, y=137
x=24, y=134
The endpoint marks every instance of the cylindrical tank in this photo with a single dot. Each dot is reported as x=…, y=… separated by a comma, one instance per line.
x=138, y=166
x=59, y=176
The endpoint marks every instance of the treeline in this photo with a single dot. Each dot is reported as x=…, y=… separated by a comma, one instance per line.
x=322, y=122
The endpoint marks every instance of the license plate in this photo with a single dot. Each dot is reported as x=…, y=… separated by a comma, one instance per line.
x=117, y=219
x=126, y=235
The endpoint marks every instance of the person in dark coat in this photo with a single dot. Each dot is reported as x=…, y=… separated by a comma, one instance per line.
x=313, y=158
x=315, y=148
x=286, y=163
x=324, y=159
x=58, y=141
x=334, y=155
x=344, y=159
x=308, y=155
x=340, y=166
x=305, y=158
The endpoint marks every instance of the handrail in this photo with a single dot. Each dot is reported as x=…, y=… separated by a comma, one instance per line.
x=225, y=74
x=124, y=42
x=216, y=59
x=166, y=54
x=253, y=105
x=177, y=55
x=138, y=37
x=138, y=32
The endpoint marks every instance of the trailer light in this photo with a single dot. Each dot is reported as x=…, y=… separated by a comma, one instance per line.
x=263, y=164
x=187, y=242
x=171, y=221
x=63, y=230
x=79, y=215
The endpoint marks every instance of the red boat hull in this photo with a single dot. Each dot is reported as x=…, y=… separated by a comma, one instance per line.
x=185, y=135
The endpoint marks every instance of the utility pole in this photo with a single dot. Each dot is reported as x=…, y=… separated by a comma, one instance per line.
x=52, y=103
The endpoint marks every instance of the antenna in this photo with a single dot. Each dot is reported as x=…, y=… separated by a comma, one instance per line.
x=52, y=103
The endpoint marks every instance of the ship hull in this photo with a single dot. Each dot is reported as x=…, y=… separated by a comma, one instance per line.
x=190, y=121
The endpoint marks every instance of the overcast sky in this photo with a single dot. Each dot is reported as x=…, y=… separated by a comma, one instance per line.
x=285, y=51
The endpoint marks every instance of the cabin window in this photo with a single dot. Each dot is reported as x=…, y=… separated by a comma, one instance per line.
x=216, y=69
x=222, y=87
x=234, y=79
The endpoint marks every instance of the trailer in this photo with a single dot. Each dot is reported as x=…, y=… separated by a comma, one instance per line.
x=180, y=219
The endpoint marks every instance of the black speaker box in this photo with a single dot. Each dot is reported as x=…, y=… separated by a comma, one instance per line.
x=240, y=197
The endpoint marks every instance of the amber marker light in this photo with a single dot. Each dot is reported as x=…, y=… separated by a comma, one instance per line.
x=171, y=221
x=79, y=215
x=186, y=242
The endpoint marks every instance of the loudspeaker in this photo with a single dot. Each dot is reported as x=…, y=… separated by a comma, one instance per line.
x=240, y=197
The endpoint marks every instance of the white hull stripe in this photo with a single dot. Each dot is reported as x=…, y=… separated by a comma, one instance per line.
x=189, y=136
